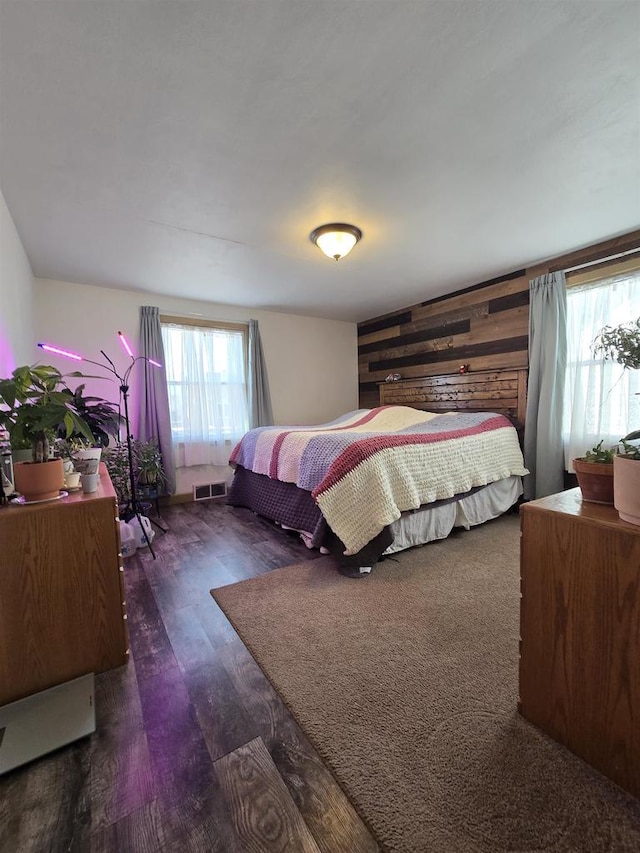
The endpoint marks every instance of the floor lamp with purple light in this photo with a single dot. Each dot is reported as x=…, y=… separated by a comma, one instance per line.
x=133, y=507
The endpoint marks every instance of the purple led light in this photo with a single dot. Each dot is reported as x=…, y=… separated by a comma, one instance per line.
x=58, y=351
x=125, y=344
x=154, y=363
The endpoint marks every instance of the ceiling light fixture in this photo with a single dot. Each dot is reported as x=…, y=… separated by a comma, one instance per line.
x=335, y=240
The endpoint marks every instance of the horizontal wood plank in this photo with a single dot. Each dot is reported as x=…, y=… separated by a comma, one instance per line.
x=384, y=322
x=495, y=391
x=475, y=297
x=467, y=312
x=495, y=362
x=485, y=379
x=382, y=335
x=418, y=337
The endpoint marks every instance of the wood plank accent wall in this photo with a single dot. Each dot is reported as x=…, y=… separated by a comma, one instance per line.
x=485, y=326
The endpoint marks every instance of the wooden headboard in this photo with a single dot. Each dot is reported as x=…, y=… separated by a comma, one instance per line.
x=503, y=391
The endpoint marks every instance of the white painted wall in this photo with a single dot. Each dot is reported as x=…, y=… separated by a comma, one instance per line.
x=312, y=363
x=16, y=298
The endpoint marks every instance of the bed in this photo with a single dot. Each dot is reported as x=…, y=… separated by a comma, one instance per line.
x=376, y=481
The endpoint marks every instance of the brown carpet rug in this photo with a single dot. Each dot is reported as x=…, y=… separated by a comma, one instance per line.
x=407, y=682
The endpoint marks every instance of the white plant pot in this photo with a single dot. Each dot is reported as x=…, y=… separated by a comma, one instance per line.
x=87, y=461
x=626, y=488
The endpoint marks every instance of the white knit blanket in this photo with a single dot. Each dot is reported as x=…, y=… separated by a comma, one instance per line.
x=369, y=466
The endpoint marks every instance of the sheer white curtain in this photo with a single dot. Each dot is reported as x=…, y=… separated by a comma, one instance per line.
x=600, y=401
x=206, y=378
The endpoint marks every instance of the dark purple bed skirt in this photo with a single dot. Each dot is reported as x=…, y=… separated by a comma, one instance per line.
x=292, y=507
x=281, y=502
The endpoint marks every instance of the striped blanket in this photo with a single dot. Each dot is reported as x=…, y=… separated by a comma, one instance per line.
x=368, y=466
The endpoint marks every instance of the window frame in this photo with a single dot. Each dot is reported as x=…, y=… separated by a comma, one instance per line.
x=595, y=277
x=216, y=325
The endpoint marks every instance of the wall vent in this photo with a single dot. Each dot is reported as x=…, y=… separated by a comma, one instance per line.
x=207, y=491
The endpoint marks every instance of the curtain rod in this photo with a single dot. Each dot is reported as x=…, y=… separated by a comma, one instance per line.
x=601, y=260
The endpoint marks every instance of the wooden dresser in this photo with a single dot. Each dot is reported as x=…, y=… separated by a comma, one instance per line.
x=62, y=607
x=580, y=631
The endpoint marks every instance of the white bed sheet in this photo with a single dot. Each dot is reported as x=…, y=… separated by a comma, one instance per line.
x=427, y=525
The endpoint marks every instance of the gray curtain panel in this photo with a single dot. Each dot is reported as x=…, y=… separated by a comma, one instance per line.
x=543, y=451
x=154, y=397
x=260, y=411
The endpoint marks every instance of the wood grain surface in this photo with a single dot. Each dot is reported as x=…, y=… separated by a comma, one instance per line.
x=580, y=631
x=484, y=326
x=264, y=815
x=501, y=391
x=150, y=779
x=61, y=607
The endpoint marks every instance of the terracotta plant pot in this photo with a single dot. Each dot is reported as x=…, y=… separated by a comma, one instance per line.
x=626, y=488
x=595, y=480
x=39, y=481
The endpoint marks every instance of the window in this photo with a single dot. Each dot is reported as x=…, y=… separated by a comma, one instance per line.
x=600, y=396
x=206, y=379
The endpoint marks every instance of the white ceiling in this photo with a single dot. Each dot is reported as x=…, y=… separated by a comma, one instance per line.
x=188, y=147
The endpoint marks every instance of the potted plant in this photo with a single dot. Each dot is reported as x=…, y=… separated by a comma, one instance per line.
x=150, y=472
x=34, y=402
x=20, y=450
x=103, y=420
x=116, y=458
x=626, y=479
x=594, y=471
x=622, y=344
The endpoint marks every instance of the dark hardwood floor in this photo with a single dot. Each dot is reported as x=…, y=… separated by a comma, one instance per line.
x=193, y=749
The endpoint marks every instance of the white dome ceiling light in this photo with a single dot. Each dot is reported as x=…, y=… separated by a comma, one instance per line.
x=336, y=240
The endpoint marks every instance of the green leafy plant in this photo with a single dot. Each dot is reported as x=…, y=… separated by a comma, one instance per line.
x=619, y=343
x=102, y=418
x=116, y=458
x=632, y=451
x=35, y=403
x=20, y=444
x=622, y=345
x=598, y=454
x=150, y=471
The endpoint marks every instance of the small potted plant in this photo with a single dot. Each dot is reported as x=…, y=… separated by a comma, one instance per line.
x=20, y=450
x=150, y=471
x=594, y=471
x=626, y=479
x=116, y=458
x=103, y=420
x=34, y=401
x=622, y=344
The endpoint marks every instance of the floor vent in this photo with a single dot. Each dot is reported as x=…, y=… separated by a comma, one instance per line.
x=206, y=491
